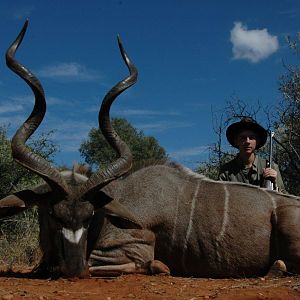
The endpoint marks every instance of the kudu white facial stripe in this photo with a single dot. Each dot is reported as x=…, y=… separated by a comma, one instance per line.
x=72, y=236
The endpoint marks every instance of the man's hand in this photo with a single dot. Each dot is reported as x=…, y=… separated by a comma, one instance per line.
x=270, y=173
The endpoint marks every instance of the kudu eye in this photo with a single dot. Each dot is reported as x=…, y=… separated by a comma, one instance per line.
x=57, y=220
x=87, y=220
x=86, y=223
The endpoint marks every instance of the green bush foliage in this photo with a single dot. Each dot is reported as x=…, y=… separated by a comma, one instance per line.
x=98, y=153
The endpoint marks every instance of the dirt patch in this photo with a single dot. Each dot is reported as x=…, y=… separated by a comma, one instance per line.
x=16, y=285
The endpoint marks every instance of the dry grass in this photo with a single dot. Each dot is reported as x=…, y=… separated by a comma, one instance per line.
x=19, y=240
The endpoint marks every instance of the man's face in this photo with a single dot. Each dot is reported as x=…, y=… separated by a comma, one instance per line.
x=246, y=141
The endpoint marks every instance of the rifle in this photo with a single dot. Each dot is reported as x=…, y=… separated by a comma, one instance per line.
x=268, y=184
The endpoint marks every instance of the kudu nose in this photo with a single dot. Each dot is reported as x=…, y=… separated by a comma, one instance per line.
x=75, y=269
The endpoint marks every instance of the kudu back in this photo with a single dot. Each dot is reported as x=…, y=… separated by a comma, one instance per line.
x=162, y=218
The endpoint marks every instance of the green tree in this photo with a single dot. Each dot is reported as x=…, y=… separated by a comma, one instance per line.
x=97, y=152
x=288, y=123
x=14, y=177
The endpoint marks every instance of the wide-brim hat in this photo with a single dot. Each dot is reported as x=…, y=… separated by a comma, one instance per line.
x=246, y=123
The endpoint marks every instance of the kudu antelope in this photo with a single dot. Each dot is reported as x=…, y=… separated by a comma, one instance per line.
x=158, y=219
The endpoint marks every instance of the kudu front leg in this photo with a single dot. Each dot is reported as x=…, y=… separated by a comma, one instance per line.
x=131, y=252
x=149, y=268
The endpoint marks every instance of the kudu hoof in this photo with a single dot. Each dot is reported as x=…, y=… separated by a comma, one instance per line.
x=278, y=269
x=157, y=267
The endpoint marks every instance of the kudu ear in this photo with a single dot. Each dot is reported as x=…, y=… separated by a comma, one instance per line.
x=100, y=199
x=118, y=214
x=18, y=202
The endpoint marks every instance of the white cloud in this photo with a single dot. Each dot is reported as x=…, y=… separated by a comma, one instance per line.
x=187, y=152
x=12, y=121
x=69, y=134
x=163, y=125
x=253, y=45
x=136, y=112
x=68, y=71
x=18, y=104
x=291, y=13
x=54, y=100
x=142, y=112
x=70, y=125
x=24, y=99
x=10, y=107
x=29, y=100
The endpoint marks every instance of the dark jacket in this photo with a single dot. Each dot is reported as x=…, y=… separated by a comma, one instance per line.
x=236, y=171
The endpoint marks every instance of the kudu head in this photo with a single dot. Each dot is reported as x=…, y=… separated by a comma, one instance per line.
x=66, y=203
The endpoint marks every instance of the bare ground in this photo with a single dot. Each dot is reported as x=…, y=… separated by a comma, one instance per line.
x=18, y=284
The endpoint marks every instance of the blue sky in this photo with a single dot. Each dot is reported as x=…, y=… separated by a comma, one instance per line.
x=192, y=56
